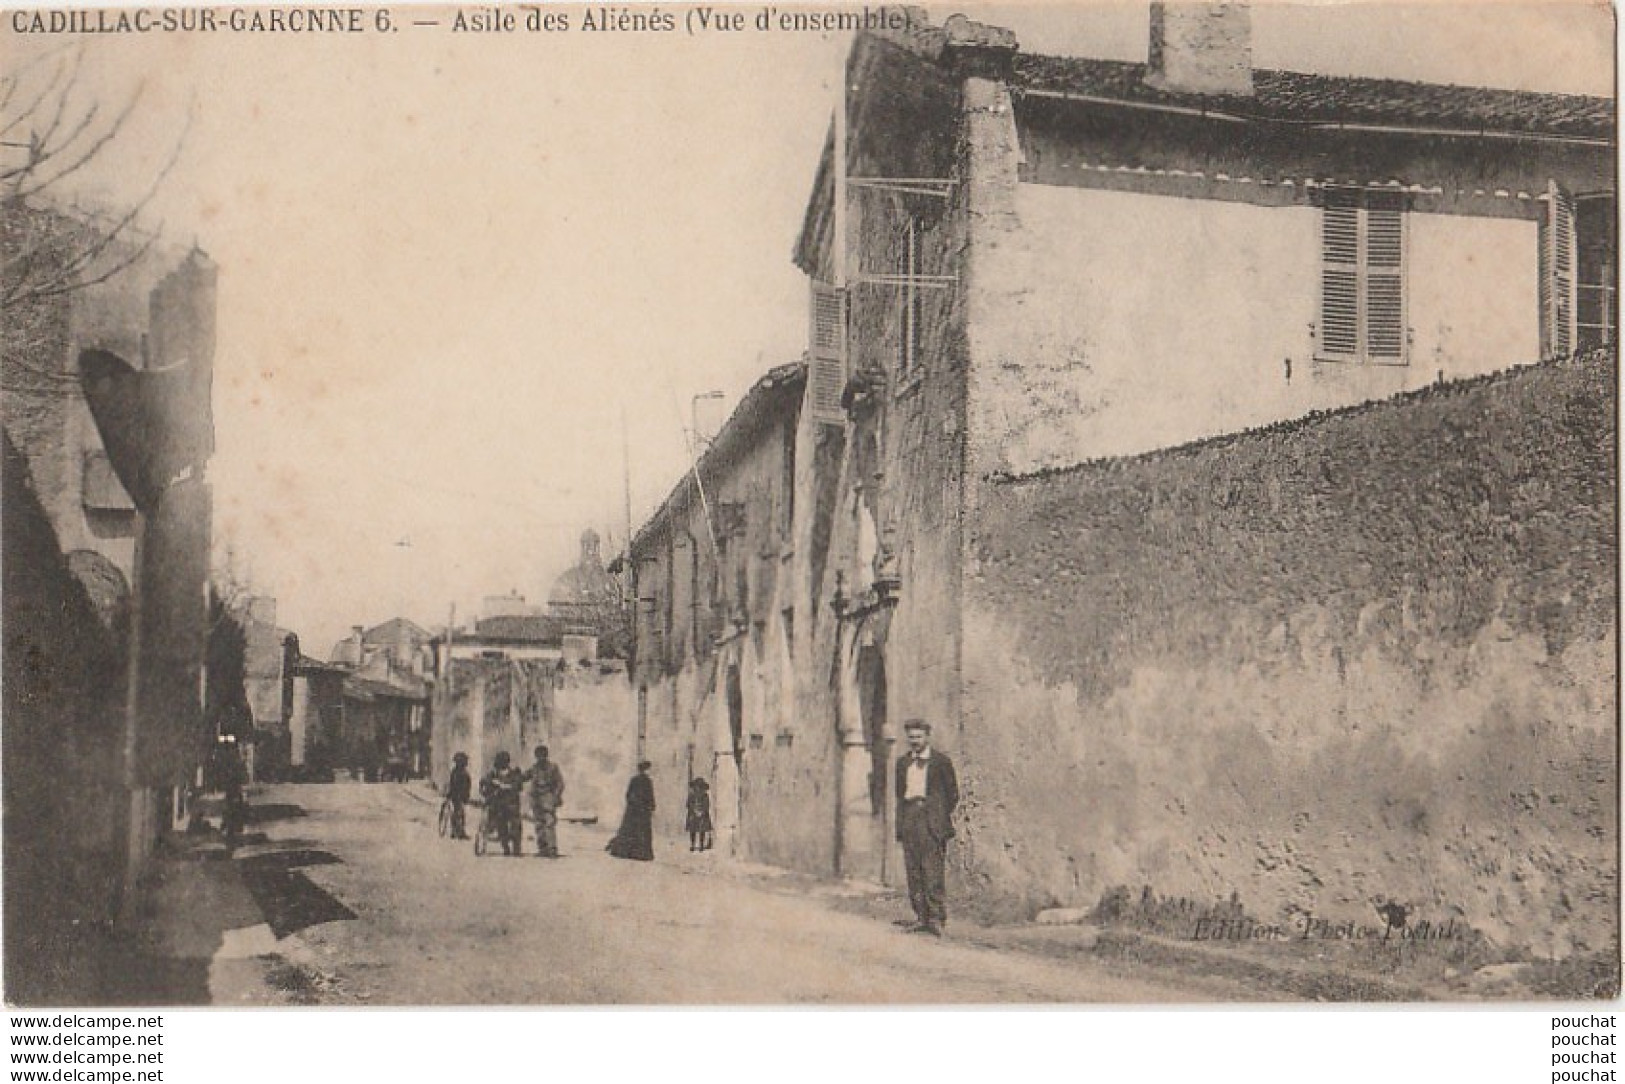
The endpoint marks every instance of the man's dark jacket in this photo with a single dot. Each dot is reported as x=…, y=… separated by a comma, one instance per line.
x=941, y=794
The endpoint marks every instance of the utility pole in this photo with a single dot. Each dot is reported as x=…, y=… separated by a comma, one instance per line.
x=838, y=249
x=694, y=415
x=626, y=476
x=692, y=440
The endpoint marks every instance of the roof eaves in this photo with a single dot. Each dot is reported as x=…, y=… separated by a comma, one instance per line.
x=779, y=383
x=1351, y=102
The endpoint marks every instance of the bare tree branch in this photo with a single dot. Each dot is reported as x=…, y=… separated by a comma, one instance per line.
x=50, y=134
x=27, y=112
x=43, y=141
x=60, y=104
x=68, y=285
x=13, y=78
x=46, y=154
x=44, y=254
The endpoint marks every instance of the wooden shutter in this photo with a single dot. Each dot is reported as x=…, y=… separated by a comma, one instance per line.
x=1340, y=275
x=1362, y=283
x=1557, y=278
x=826, y=376
x=1385, y=278
x=913, y=312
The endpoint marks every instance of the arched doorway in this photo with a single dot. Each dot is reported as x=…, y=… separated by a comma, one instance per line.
x=872, y=704
x=736, y=716
x=877, y=741
x=866, y=747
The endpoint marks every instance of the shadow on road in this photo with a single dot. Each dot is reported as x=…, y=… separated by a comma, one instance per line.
x=266, y=812
x=288, y=899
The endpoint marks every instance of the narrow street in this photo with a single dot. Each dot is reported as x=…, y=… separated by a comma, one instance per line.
x=435, y=925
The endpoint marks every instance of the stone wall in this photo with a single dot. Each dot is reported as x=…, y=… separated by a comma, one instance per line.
x=1363, y=656
x=63, y=705
x=591, y=736
x=485, y=706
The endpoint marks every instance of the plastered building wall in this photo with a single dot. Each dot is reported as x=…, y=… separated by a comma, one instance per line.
x=878, y=632
x=733, y=606
x=1126, y=322
x=1363, y=657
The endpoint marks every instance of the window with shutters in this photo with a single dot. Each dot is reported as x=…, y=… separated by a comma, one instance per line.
x=1596, y=271
x=1362, y=277
x=913, y=314
x=1558, y=296
x=826, y=376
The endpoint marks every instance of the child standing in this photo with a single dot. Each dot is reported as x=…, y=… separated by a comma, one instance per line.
x=699, y=815
x=459, y=789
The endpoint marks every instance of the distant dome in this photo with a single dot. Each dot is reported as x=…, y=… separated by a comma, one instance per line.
x=581, y=593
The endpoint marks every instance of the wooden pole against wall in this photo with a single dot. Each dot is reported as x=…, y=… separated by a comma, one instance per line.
x=626, y=478
x=838, y=154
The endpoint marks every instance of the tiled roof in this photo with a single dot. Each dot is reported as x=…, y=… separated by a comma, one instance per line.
x=398, y=688
x=396, y=630
x=769, y=398
x=1297, y=97
x=518, y=628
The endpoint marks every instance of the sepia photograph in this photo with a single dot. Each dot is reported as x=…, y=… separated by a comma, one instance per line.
x=561, y=505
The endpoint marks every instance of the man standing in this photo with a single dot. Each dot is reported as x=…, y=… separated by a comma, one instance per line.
x=927, y=793
x=546, y=795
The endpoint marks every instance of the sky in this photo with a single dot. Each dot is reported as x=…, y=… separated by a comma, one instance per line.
x=452, y=267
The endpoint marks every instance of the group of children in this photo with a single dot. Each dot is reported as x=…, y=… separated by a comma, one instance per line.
x=502, y=786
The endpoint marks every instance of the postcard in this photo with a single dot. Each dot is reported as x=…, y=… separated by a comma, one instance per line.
x=766, y=504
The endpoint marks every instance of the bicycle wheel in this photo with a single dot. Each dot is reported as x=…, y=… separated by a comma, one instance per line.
x=445, y=818
x=479, y=835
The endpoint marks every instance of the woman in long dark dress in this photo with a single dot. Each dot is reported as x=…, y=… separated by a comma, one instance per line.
x=636, y=837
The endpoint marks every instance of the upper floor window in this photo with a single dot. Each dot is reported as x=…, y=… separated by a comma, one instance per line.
x=1557, y=281
x=1362, y=283
x=826, y=376
x=1596, y=271
x=913, y=314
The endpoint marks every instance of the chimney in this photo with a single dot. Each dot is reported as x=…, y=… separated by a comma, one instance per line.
x=1199, y=48
x=262, y=609
x=979, y=49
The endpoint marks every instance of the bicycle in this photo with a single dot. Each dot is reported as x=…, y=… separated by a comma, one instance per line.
x=485, y=831
x=444, y=824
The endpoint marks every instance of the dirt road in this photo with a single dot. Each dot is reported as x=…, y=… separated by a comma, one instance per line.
x=435, y=925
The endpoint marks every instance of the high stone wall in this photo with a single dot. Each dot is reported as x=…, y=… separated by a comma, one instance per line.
x=485, y=706
x=592, y=737
x=1365, y=656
